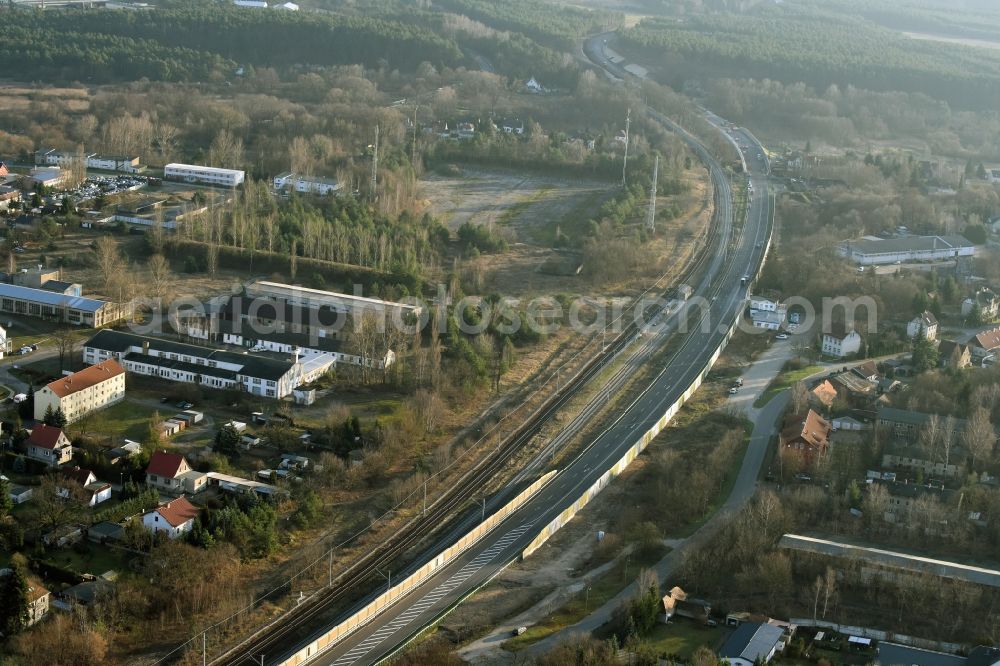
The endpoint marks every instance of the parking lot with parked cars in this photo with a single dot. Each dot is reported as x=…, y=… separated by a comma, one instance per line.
x=95, y=186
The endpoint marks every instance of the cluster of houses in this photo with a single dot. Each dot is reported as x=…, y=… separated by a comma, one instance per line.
x=768, y=314
x=859, y=395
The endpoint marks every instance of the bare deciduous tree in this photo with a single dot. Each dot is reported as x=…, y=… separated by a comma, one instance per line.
x=226, y=150
x=65, y=343
x=930, y=435
x=161, y=278
x=110, y=262
x=979, y=437
x=829, y=588
x=799, y=397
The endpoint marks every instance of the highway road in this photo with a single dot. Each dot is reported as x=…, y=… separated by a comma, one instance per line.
x=707, y=326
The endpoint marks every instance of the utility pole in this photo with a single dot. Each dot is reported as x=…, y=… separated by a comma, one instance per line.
x=628, y=123
x=483, y=519
x=424, y=511
x=374, y=180
x=413, y=148
x=388, y=577
x=651, y=214
x=331, y=567
x=204, y=648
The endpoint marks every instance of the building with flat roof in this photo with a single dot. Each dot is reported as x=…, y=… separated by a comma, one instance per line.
x=305, y=184
x=49, y=177
x=65, y=158
x=752, y=643
x=194, y=173
x=45, y=304
x=317, y=298
x=83, y=392
x=876, y=251
x=267, y=324
x=207, y=366
x=892, y=559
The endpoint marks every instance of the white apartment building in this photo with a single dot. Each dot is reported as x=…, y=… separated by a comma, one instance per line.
x=83, y=392
x=193, y=173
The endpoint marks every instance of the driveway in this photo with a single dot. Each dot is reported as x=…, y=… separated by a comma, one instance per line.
x=759, y=375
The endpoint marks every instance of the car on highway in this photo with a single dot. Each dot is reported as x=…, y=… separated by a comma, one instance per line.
x=734, y=390
x=739, y=381
x=781, y=336
x=184, y=404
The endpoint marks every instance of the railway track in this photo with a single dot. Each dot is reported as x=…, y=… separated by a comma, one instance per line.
x=365, y=573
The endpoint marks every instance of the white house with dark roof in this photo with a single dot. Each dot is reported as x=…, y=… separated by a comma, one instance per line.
x=924, y=325
x=82, y=484
x=841, y=340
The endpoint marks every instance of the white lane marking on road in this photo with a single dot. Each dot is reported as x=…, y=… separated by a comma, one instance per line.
x=432, y=597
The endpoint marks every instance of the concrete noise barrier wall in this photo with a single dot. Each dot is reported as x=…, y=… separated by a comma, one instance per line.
x=414, y=580
x=637, y=448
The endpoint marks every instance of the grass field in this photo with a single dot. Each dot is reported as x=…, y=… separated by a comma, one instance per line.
x=682, y=637
x=785, y=381
x=88, y=558
x=126, y=419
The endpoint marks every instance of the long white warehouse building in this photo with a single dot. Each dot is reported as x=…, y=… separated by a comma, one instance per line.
x=874, y=251
x=193, y=173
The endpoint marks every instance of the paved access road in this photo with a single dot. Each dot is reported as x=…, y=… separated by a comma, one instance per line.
x=707, y=326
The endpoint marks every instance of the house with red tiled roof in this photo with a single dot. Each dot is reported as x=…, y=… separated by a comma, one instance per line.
x=173, y=518
x=81, y=393
x=171, y=472
x=807, y=436
x=49, y=445
x=82, y=484
x=984, y=344
x=824, y=394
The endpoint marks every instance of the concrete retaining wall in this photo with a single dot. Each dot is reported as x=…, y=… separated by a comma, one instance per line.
x=414, y=580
